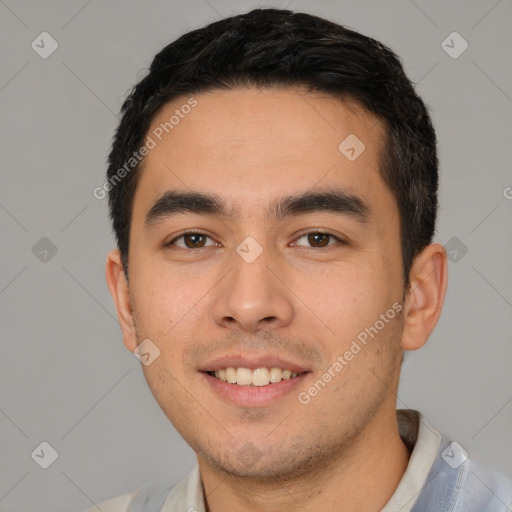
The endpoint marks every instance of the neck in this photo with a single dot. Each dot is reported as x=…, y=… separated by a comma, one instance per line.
x=364, y=478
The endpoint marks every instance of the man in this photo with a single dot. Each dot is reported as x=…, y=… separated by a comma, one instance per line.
x=273, y=190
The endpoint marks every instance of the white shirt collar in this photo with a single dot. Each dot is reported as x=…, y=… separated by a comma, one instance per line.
x=426, y=441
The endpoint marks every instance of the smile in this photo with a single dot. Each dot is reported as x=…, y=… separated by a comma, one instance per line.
x=257, y=377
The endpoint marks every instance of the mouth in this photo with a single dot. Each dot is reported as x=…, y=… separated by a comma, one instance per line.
x=253, y=382
x=257, y=377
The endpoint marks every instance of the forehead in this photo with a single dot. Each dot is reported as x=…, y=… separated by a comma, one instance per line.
x=252, y=145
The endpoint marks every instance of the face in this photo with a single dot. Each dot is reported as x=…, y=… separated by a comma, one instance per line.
x=293, y=265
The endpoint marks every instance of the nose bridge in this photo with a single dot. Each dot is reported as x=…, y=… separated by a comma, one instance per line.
x=252, y=297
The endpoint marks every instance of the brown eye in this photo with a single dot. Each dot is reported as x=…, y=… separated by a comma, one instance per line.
x=194, y=240
x=190, y=240
x=319, y=240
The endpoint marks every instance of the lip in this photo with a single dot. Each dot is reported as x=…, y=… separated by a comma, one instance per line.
x=238, y=361
x=253, y=396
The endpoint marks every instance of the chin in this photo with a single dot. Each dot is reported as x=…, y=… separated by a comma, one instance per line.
x=251, y=462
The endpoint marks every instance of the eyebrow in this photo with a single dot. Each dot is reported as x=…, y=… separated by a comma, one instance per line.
x=336, y=201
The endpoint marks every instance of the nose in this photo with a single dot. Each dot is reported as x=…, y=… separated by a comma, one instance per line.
x=252, y=296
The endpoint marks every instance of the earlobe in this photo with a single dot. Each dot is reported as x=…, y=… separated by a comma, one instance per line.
x=425, y=298
x=118, y=286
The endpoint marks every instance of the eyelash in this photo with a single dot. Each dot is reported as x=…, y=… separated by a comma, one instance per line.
x=195, y=232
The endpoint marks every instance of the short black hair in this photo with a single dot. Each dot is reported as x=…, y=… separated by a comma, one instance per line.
x=272, y=47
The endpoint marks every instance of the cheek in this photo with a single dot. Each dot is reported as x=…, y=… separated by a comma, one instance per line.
x=351, y=298
x=164, y=302
x=332, y=303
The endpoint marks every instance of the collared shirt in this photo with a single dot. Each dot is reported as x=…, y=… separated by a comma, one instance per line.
x=440, y=476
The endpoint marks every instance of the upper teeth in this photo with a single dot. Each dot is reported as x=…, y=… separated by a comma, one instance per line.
x=257, y=377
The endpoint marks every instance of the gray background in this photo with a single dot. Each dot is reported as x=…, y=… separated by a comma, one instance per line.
x=65, y=376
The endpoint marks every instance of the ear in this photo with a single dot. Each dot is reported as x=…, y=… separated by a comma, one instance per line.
x=118, y=286
x=425, y=296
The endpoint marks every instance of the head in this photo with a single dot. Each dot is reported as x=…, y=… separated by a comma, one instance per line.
x=261, y=130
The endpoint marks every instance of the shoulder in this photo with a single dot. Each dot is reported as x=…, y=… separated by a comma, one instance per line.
x=483, y=488
x=460, y=483
x=186, y=494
